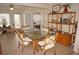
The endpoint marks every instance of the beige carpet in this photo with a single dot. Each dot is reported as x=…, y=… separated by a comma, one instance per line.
x=9, y=45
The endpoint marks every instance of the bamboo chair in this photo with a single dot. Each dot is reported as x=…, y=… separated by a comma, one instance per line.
x=24, y=41
x=47, y=44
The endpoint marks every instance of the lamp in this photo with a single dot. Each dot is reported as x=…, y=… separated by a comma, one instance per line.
x=11, y=7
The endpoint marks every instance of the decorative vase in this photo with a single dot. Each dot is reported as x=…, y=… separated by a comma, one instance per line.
x=65, y=9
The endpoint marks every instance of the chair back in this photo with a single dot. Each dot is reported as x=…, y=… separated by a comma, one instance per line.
x=47, y=40
x=17, y=34
x=50, y=39
x=50, y=42
x=21, y=36
x=53, y=38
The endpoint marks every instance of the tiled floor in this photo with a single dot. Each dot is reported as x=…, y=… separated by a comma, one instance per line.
x=9, y=45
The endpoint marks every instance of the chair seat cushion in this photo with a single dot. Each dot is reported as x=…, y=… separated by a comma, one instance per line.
x=26, y=43
x=49, y=46
x=41, y=42
x=52, y=37
x=47, y=43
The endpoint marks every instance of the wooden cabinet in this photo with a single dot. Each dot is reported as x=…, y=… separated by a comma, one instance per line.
x=64, y=39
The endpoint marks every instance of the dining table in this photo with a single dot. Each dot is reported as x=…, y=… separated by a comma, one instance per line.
x=36, y=37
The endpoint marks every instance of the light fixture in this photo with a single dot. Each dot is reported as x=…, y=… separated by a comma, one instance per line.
x=11, y=7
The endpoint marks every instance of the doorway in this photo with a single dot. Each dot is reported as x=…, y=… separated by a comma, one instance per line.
x=37, y=22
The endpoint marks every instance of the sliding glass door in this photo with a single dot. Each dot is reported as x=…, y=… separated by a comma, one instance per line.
x=28, y=21
x=36, y=21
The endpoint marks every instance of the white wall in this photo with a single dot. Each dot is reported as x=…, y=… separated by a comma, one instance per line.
x=76, y=45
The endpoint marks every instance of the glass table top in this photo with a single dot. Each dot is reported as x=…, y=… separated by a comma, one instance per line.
x=34, y=35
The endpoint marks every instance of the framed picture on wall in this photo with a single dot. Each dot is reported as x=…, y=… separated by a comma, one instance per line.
x=56, y=8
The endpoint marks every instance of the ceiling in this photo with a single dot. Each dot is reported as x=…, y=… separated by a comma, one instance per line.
x=40, y=5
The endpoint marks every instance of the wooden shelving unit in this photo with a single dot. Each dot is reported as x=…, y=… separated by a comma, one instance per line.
x=64, y=23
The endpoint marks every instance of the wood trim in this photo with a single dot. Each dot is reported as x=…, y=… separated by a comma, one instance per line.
x=74, y=22
x=57, y=16
x=61, y=23
x=62, y=13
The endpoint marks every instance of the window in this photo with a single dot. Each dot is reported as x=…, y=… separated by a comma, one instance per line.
x=4, y=18
x=17, y=20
